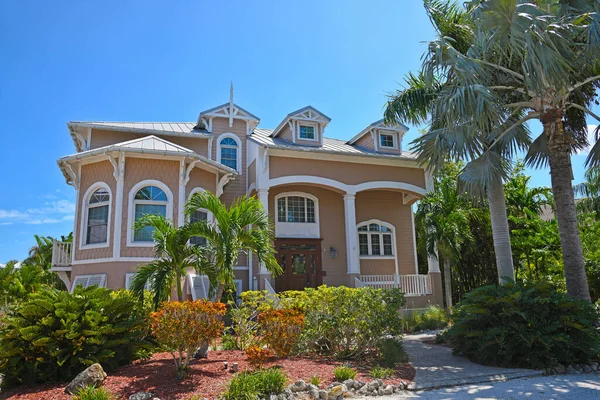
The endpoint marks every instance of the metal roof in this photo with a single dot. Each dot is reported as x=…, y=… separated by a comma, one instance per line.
x=164, y=128
x=380, y=124
x=333, y=146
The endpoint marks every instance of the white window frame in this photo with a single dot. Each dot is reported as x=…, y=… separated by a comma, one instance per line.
x=84, y=220
x=380, y=256
x=129, y=276
x=297, y=229
x=239, y=149
x=394, y=140
x=88, y=277
x=310, y=125
x=131, y=209
x=209, y=216
x=205, y=286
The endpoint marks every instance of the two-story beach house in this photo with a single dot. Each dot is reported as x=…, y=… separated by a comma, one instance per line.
x=341, y=209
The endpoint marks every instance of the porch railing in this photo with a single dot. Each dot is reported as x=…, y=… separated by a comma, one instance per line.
x=62, y=254
x=411, y=285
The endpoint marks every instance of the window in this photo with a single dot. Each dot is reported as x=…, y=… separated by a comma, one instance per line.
x=229, y=152
x=375, y=239
x=307, y=132
x=129, y=278
x=295, y=209
x=89, y=280
x=387, y=140
x=198, y=216
x=148, y=200
x=97, y=217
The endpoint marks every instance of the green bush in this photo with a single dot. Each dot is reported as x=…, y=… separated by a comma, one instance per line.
x=345, y=322
x=381, y=373
x=391, y=352
x=315, y=380
x=255, y=385
x=93, y=393
x=54, y=335
x=529, y=325
x=433, y=317
x=343, y=373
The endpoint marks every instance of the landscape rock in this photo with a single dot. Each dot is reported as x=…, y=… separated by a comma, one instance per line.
x=388, y=390
x=571, y=370
x=335, y=392
x=322, y=394
x=93, y=375
x=349, y=383
x=287, y=393
x=142, y=396
x=594, y=366
x=586, y=369
x=312, y=390
x=561, y=369
x=298, y=386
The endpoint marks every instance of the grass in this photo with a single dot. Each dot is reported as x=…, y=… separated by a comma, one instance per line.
x=315, y=380
x=433, y=317
x=343, y=373
x=255, y=385
x=93, y=393
x=382, y=373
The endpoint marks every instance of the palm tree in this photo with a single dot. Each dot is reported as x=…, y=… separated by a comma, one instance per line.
x=529, y=61
x=174, y=256
x=414, y=104
x=244, y=226
x=590, y=190
x=41, y=253
x=445, y=215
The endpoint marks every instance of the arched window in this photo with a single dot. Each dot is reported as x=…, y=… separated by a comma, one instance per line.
x=376, y=238
x=97, y=216
x=148, y=200
x=228, y=151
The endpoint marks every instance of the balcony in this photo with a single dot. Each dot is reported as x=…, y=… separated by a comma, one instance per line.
x=411, y=285
x=62, y=256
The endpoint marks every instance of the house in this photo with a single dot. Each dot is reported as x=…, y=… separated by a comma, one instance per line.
x=341, y=209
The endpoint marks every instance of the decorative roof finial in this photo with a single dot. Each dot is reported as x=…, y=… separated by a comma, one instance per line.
x=231, y=105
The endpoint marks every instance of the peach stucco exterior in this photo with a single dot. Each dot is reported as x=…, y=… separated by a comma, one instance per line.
x=348, y=189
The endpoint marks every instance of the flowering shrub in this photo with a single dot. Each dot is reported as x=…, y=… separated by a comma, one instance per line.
x=183, y=327
x=257, y=356
x=281, y=329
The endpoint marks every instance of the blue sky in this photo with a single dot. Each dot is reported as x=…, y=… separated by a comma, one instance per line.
x=166, y=61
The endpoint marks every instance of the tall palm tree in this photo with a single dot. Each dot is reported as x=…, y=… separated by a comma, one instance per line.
x=173, y=256
x=415, y=104
x=445, y=215
x=590, y=192
x=244, y=226
x=529, y=61
x=41, y=253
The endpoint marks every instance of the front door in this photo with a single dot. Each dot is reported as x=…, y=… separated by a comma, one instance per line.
x=300, y=260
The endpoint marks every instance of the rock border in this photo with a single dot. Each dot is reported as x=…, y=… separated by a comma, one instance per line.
x=339, y=390
x=573, y=369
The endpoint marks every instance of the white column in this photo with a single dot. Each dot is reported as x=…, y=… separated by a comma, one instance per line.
x=119, y=207
x=181, y=197
x=263, y=196
x=351, y=235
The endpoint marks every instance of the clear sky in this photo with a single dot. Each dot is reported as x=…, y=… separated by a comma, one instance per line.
x=168, y=60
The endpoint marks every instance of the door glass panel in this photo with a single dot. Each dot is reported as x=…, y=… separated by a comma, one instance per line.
x=313, y=263
x=282, y=263
x=298, y=264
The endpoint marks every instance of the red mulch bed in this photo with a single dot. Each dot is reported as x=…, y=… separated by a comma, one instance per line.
x=206, y=378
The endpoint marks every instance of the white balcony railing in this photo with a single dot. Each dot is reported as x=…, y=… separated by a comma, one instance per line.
x=62, y=254
x=411, y=285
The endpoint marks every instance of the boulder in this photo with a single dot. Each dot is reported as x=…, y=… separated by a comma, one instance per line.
x=298, y=386
x=322, y=394
x=372, y=386
x=93, y=375
x=142, y=396
x=335, y=392
x=312, y=390
x=594, y=366
x=586, y=368
x=571, y=370
x=388, y=390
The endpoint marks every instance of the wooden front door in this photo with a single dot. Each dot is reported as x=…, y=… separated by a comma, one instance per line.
x=300, y=260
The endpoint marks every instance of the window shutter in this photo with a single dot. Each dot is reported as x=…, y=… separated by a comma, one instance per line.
x=80, y=280
x=96, y=280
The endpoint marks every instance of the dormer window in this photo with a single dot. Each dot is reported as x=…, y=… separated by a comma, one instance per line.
x=307, y=132
x=387, y=141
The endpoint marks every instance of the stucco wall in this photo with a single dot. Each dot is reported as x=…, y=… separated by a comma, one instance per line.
x=91, y=174
x=115, y=272
x=252, y=173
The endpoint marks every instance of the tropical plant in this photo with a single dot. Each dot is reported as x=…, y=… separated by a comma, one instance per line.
x=244, y=321
x=433, y=317
x=528, y=61
x=378, y=372
x=93, y=393
x=260, y=384
x=524, y=325
x=445, y=216
x=244, y=226
x=183, y=327
x=416, y=104
x=315, y=380
x=590, y=192
x=174, y=254
x=281, y=329
x=391, y=352
x=53, y=335
x=343, y=373
x=257, y=356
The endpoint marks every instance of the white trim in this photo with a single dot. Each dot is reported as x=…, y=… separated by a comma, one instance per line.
x=239, y=149
x=394, y=136
x=87, y=279
x=76, y=220
x=131, y=209
x=352, y=258
x=251, y=188
x=297, y=229
x=119, y=207
x=313, y=125
x=394, y=255
x=84, y=220
x=414, y=235
x=239, y=288
x=240, y=268
x=129, y=276
x=113, y=259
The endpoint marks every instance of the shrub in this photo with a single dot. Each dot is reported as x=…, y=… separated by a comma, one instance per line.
x=528, y=325
x=381, y=373
x=93, y=393
x=255, y=385
x=346, y=322
x=257, y=356
x=53, y=335
x=391, y=352
x=183, y=327
x=244, y=322
x=228, y=342
x=343, y=373
x=433, y=317
x=281, y=329
x=315, y=380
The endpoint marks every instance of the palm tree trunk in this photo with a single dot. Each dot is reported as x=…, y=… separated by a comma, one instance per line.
x=561, y=172
x=179, y=290
x=500, y=232
x=448, y=282
x=220, y=291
